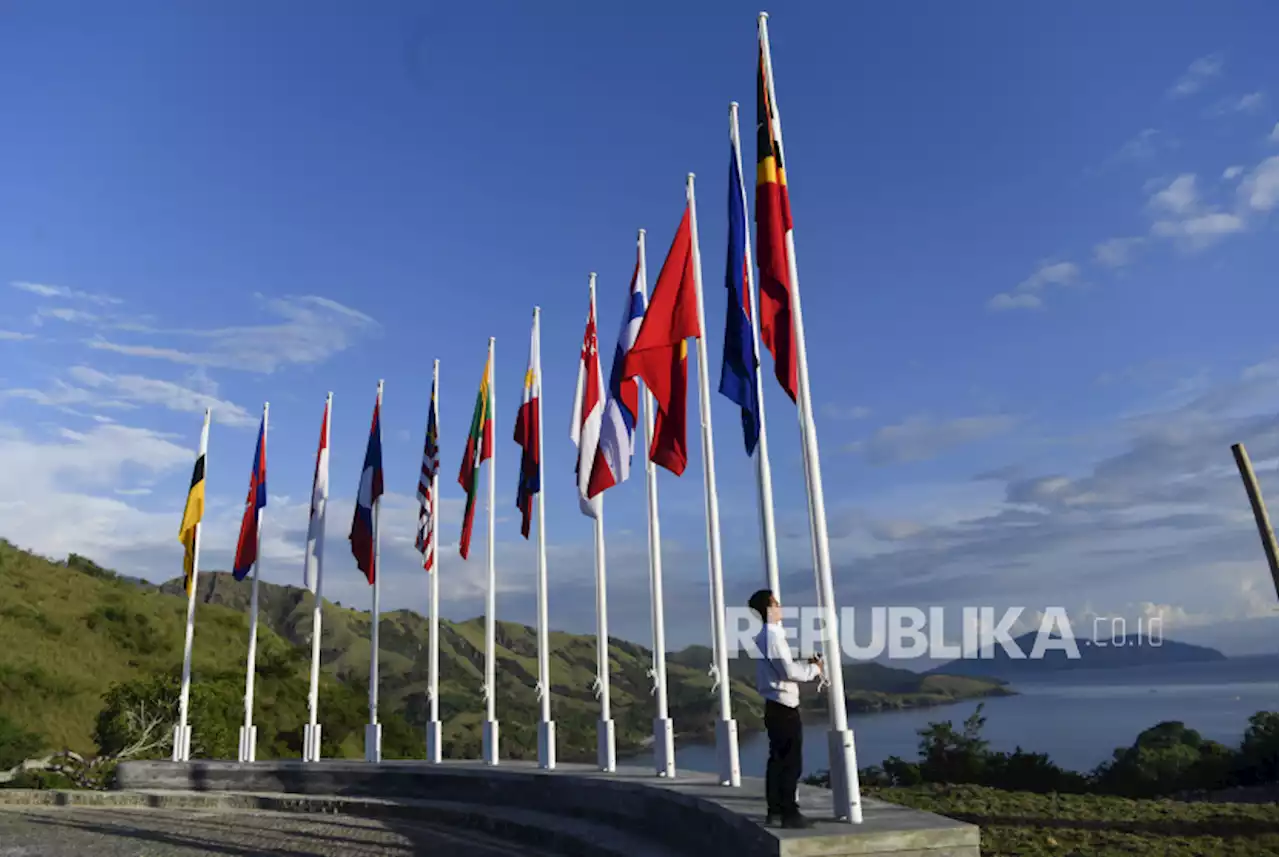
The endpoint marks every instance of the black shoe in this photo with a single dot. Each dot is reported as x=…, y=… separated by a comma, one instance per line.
x=773, y=819
x=796, y=821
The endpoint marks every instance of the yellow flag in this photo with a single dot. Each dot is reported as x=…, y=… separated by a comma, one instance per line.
x=193, y=512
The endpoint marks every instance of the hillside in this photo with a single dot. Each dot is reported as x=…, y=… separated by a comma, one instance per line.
x=1136, y=651
x=69, y=630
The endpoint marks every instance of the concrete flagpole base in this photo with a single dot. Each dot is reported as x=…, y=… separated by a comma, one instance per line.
x=373, y=742
x=664, y=746
x=182, y=743
x=845, y=804
x=727, y=753
x=489, y=742
x=606, y=747
x=310, y=742
x=434, y=751
x=248, y=743
x=547, y=745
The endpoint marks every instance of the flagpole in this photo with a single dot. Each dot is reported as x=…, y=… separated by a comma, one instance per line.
x=311, y=736
x=764, y=474
x=433, y=622
x=490, y=735
x=845, y=793
x=249, y=732
x=606, y=752
x=182, y=733
x=726, y=728
x=546, y=726
x=373, y=731
x=664, y=754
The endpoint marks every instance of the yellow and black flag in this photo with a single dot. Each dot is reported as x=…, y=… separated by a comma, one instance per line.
x=194, y=511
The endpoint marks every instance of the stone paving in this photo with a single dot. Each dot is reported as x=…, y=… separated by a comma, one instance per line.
x=50, y=831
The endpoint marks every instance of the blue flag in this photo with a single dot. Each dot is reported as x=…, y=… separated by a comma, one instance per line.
x=738, y=371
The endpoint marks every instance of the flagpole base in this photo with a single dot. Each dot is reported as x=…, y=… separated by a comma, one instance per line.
x=547, y=745
x=433, y=742
x=182, y=743
x=606, y=748
x=664, y=746
x=311, y=743
x=489, y=742
x=248, y=743
x=727, y=753
x=846, y=800
x=373, y=742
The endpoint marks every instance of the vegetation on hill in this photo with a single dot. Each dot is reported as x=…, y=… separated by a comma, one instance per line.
x=83, y=650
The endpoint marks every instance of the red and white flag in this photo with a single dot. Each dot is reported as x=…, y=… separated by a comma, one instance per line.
x=319, y=500
x=588, y=413
x=426, y=503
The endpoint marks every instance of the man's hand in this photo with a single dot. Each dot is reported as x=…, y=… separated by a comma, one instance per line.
x=816, y=660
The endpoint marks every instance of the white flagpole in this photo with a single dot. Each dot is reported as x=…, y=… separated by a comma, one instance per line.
x=249, y=732
x=311, y=734
x=182, y=733
x=845, y=793
x=490, y=734
x=546, y=726
x=664, y=752
x=726, y=728
x=433, y=622
x=373, y=731
x=764, y=474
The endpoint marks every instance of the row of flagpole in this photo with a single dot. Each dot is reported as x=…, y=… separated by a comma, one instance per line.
x=650, y=363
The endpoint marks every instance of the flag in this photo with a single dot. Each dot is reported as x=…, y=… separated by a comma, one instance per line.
x=426, y=502
x=319, y=502
x=247, y=545
x=738, y=370
x=528, y=435
x=193, y=512
x=363, y=546
x=588, y=413
x=479, y=449
x=659, y=356
x=773, y=222
x=622, y=407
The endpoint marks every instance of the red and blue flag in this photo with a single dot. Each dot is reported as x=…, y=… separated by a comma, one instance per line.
x=362, y=525
x=738, y=370
x=247, y=545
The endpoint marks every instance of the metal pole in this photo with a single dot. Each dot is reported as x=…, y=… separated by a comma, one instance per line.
x=1260, y=516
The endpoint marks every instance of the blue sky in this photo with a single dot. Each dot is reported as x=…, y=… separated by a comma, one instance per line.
x=1037, y=247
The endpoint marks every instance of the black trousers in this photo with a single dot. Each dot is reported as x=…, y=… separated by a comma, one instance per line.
x=782, y=773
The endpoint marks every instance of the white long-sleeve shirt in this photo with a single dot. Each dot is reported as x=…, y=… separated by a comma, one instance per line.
x=776, y=674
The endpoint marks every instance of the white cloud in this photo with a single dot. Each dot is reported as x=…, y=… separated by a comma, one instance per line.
x=313, y=329
x=1117, y=252
x=1199, y=231
x=845, y=412
x=1250, y=103
x=920, y=438
x=1179, y=197
x=1274, y=136
x=48, y=291
x=1181, y=216
x=139, y=390
x=1197, y=76
x=1009, y=300
x=1027, y=294
x=14, y=336
x=1259, y=188
x=1231, y=173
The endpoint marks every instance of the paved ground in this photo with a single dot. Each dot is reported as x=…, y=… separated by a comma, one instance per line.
x=120, y=832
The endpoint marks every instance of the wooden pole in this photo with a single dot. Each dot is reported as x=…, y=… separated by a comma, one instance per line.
x=1259, y=510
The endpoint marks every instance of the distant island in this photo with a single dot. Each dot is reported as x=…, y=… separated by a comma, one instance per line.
x=1133, y=650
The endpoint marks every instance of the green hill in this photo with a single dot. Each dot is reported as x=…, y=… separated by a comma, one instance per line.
x=70, y=630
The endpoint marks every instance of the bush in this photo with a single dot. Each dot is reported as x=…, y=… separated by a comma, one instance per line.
x=16, y=744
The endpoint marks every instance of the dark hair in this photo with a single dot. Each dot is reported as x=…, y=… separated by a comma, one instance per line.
x=760, y=602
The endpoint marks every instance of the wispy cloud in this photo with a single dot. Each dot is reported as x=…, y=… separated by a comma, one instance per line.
x=920, y=438
x=1117, y=252
x=1028, y=294
x=1197, y=76
x=47, y=291
x=1181, y=215
x=1232, y=173
x=13, y=335
x=845, y=412
x=1251, y=103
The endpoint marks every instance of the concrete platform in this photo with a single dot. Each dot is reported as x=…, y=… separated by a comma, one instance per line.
x=691, y=814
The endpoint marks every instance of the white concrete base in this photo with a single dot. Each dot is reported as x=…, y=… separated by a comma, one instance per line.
x=310, y=742
x=664, y=746
x=606, y=747
x=846, y=800
x=489, y=742
x=248, y=743
x=547, y=745
x=727, y=753
x=434, y=750
x=373, y=742
x=182, y=743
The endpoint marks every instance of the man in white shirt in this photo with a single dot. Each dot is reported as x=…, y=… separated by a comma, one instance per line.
x=776, y=679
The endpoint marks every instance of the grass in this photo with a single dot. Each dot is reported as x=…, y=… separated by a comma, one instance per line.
x=1036, y=825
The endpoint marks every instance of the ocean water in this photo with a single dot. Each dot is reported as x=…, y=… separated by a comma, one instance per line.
x=1077, y=718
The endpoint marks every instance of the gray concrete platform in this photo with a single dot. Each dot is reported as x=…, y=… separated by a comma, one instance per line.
x=690, y=814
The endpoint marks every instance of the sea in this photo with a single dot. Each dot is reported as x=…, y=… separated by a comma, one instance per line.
x=1078, y=718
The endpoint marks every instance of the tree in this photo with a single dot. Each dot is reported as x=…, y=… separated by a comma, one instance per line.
x=16, y=744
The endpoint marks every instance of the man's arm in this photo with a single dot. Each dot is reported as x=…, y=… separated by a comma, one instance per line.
x=779, y=655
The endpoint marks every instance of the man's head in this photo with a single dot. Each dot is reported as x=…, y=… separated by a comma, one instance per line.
x=766, y=606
